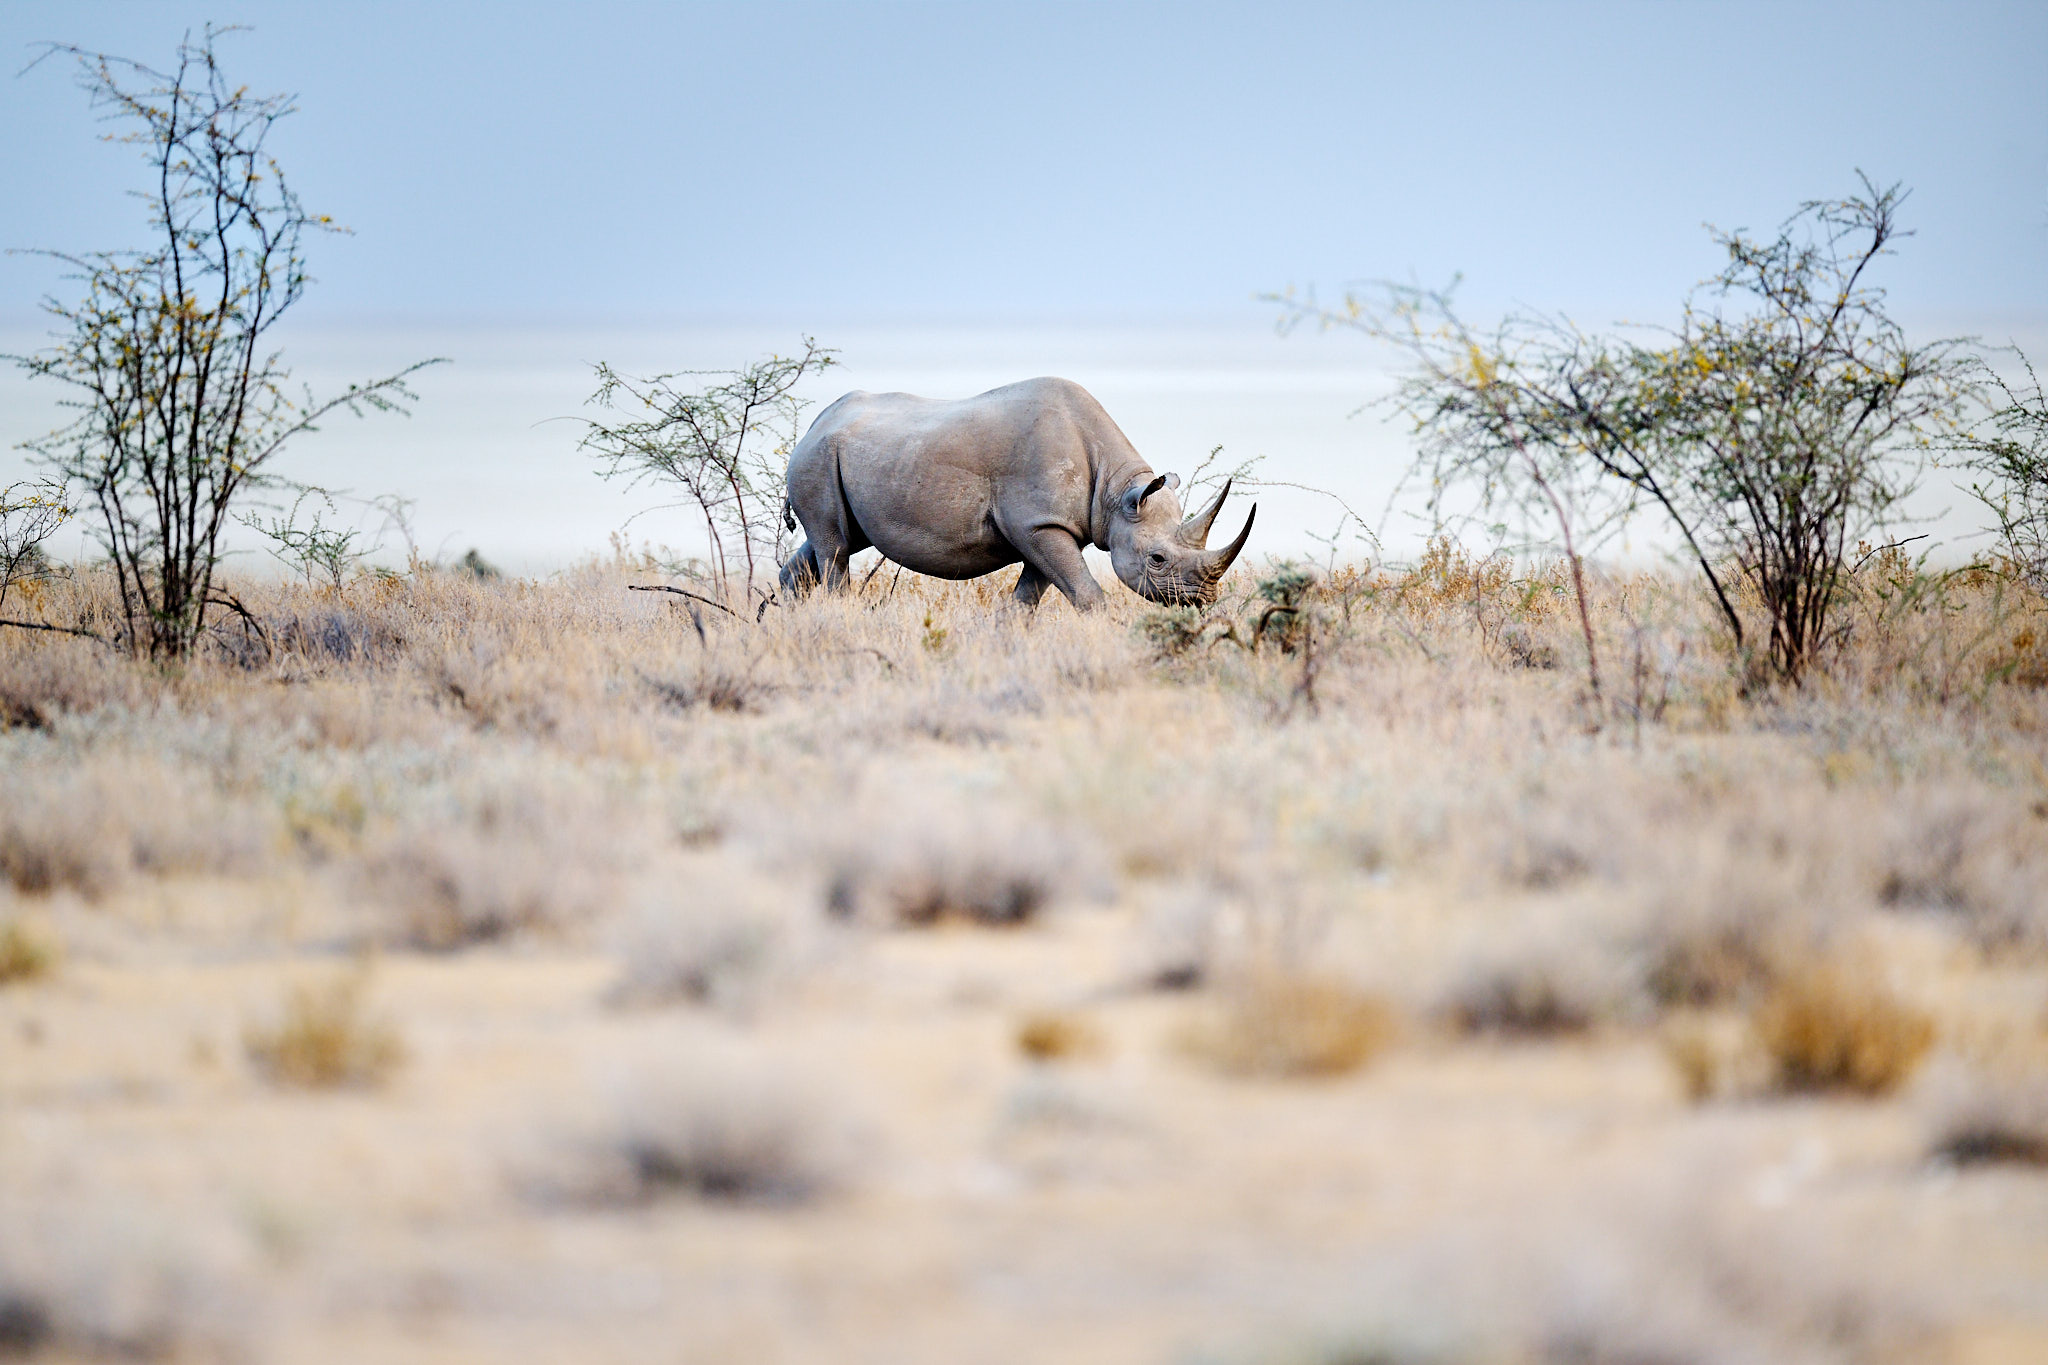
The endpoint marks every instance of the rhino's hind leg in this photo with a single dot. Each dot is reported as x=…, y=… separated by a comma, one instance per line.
x=817, y=497
x=1031, y=585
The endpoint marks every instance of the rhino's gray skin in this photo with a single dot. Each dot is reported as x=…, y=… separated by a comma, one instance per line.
x=1032, y=471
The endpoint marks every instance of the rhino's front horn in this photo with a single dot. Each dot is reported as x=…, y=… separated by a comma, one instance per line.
x=1195, y=530
x=1217, y=562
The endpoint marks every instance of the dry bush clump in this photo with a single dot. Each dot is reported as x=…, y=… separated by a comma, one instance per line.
x=1740, y=892
x=142, y=1319
x=714, y=937
x=325, y=1040
x=1180, y=940
x=1250, y=914
x=1938, y=636
x=506, y=862
x=1980, y=857
x=1540, y=989
x=1290, y=1025
x=496, y=689
x=724, y=1125
x=40, y=684
x=912, y=858
x=90, y=822
x=715, y=684
x=1984, y=1116
x=88, y=1274
x=1713, y=961
x=323, y=635
x=1828, y=1027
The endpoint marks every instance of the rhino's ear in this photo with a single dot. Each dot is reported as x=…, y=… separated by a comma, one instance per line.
x=1134, y=497
x=1172, y=480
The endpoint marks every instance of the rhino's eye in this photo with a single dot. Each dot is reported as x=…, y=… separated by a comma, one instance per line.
x=1158, y=559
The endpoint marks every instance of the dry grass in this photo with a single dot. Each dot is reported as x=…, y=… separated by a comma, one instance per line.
x=1059, y=1036
x=720, y=1124
x=1541, y=987
x=713, y=936
x=323, y=1039
x=543, y=800
x=1281, y=1025
x=28, y=952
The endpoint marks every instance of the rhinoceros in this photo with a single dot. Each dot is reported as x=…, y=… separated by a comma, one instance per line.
x=1032, y=471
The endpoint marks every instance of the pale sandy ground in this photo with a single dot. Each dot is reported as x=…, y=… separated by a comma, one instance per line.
x=1458, y=1198
x=1134, y=1207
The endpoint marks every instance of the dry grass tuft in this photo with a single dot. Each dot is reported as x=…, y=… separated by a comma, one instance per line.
x=89, y=825
x=513, y=863
x=26, y=952
x=727, y=1128
x=1980, y=857
x=1826, y=1028
x=1284, y=1025
x=41, y=686
x=1981, y=1118
x=335, y=633
x=923, y=858
x=1059, y=1036
x=1546, y=988
x=1690, y=1048
x=93, y=1276
x=716, y=686
x=1709, y=964
x=25, y=1325
x=325, y=1041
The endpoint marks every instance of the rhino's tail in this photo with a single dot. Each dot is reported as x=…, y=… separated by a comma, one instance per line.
x=788, y=514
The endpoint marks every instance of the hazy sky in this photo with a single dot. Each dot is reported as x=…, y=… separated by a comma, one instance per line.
x=959, y=194
x=821, y=162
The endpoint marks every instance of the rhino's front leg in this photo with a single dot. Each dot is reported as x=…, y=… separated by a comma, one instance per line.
x=1055, y=556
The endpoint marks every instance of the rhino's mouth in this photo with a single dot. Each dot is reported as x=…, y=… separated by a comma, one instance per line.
x=1173, y=592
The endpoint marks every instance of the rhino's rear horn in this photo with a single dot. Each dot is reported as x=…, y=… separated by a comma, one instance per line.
x=1216, y=563
x=1135, y=495
x=1195, y=530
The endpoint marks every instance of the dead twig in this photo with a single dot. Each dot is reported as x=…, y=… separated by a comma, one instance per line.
x=1897, y=544
x=60, y=630
x=222, y=598
x=681, y=592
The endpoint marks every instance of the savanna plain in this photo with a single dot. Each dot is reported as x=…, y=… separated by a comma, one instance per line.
x=469, y=968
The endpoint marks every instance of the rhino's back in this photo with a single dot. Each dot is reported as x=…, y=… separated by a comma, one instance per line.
x=943, y=485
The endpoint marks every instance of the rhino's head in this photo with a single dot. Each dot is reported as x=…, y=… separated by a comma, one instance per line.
x=1162, y=557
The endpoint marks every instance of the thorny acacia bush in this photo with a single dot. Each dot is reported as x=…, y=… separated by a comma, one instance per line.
x=182, y=403
x=30, y=513
x=725, y=446
x=2010, y=462
x=1783, y=417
